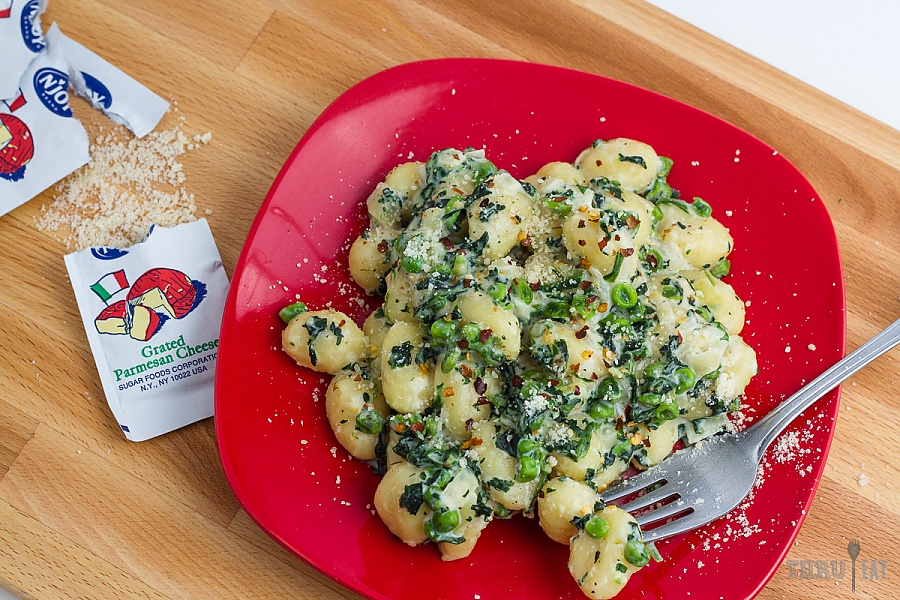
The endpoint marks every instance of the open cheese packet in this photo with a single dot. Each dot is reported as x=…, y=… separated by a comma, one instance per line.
x=21, y=40
x=152, y=314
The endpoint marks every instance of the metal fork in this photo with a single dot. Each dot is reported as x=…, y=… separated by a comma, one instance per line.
x=705, y=482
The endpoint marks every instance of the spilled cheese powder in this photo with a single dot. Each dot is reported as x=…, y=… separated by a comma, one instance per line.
x=129, y=185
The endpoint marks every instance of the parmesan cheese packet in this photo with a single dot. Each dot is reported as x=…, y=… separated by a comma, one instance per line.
x=152, y=314
x=119, y=96
x=21, y=40
x=40, y=141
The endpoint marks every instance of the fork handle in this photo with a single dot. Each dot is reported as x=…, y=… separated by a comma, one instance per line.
x=767, y=429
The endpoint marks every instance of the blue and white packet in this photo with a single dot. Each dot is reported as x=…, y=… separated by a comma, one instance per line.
x=152, y=314
x=121, y=97
x=40, y=140
x=21, y=40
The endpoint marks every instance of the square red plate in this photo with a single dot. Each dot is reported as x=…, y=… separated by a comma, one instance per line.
x=277, y=450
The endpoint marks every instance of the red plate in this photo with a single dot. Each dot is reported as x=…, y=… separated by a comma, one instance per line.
x=277, y=450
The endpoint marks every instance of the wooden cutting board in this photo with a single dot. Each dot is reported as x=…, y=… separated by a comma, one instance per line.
x=84, y=513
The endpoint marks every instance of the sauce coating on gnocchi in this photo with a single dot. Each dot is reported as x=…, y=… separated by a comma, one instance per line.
x=538, y=339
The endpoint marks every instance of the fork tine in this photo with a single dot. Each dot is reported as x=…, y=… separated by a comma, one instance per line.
x=669, y=510
x=632, y=485
x=650, y=498
x=681, y=525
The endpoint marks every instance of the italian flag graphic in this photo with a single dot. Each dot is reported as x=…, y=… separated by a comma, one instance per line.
x=110, y=284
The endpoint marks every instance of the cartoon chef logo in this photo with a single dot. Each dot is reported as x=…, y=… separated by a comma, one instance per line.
x=16, y=147
x=155, y=297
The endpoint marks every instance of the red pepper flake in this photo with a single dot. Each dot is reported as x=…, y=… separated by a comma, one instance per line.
x=489, y=184
x=582, y=243
x=581, y=333
x=447, y=243
x=651, y=260
x=680, y=338
x=400, y=428
x=527, y=242
x=517, y=381
x=484, y=335
x=484, y=203
x=594, y=376
x=617, y=237
x=577, y=391
x=467, y=283
x=466, y=371
x=580, y=223
x=482, y=400
x=646, y=442
x=626, y=252
x=418, y=427
x=553, y=382
x=632, y=222
x=462, y=344
x=599, y=162
x=480, y=386
x=469, y=443
x=602, y=243
x=584, y=285
x=469, y=423
x=456, y=190
x=383, y=247
x=535, y=286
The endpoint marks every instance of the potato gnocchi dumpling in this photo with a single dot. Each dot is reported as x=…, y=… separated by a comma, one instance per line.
x=538, y=338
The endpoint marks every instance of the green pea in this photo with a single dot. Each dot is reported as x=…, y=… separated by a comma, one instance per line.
x=528, y=469
x=460, y=265
x=289, y=312
x=667, y=411
x=582, y=308
x=722, y=268
x=525, y=446
x=602, y=411
x=684, y=379
x=498, y=292
x=444, y=330
x=596, y=527
x=411, y=265
x=655, y=370
x=369, y=421
x=448, y=520
x=650, y=399
x=636, y=553
x=471, y=331
x=624, y=295
x=450, y=360
x=523, y=290
x=671, y=292
x=609, y=389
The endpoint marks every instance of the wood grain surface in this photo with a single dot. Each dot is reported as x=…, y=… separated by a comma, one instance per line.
x=86, y=514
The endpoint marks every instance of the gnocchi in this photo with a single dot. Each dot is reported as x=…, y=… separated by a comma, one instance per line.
x=538, y=337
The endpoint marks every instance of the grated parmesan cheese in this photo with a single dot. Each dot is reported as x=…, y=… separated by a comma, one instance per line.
x=129, y=185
